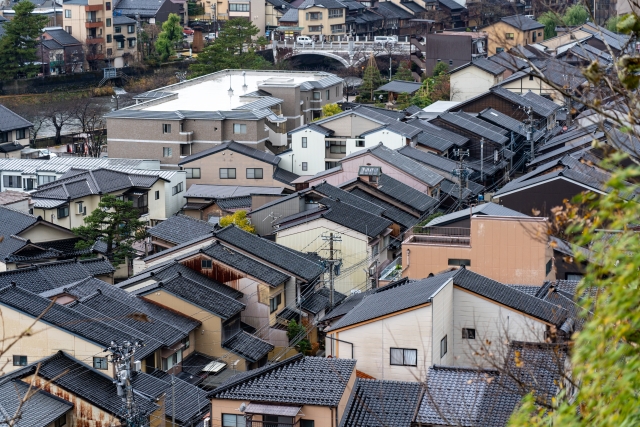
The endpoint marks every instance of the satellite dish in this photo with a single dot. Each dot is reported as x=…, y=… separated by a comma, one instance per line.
x=242, y=407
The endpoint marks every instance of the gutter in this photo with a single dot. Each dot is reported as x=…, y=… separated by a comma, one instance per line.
x=346, y=342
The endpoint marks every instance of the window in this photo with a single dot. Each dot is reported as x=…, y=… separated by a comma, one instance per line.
x=539, y=34
x=450, y=62
x=315, y=28
x=19, y=360
x=499, y=49
x=509, y=36
x=4, y=136
x=548, y=267
x=176, y=189
x=314, y=16
x=186, y=343
x=316, y=96
x=171, y=361
x=67, y=14
x=43, y=179
x=277, y=420
x=117, y=29
x=79, y=205
x=60, y=422
x=337, y=28
x=238, y=7
x=337, y=90
x=132, y=42
x=338, y=147
x=68, y=29
x=460, y=262
x=230, y=420
x=21, y=134
x=109, y=39
x=305, y=166
x=468, y=334
x=166, y=128
x=192, y=173
x=326, y=94
x=330, y=165
x=227, y=173
x=274, y=303
x=12, y=181
x=335, y=13
x=574, y=276
x=108, y=5
x=63, y=211
x=206, y=263
x=360, y=143
x=304, y=142
x=100, y=363
x=404, y=357
x=307, y=423
x=238, y=128
x=167, y=152
x=254, y=173
x=29, y=183
x=108, y=22
x=119, y=44
x=443, y=346
x=131, y=29
x=530, y=76
x=157, y=194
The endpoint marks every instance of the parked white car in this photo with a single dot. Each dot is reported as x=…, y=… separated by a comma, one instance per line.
x=304, y=40
x=385, y=39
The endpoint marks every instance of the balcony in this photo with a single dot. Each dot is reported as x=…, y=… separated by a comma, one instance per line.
x=93, y=8
x=454, y=236
x=95, y=56
x=95, y=40
x=186, y=136
x=142, y=210
x=252, y=423
x=93, y=23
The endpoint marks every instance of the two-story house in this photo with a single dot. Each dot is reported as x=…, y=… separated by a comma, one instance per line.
x=155, y=12
x=511, y=31
x=475, y=78
x=14, y=133
x=61, y=51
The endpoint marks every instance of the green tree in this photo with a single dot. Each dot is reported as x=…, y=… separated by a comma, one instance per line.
x=371, y=80
x=239, y=219
x=195, y=9
x=295, y=331
x=440, y=69
x=331, y=110
x=170, y=37
x=575, y=15
x=403, y=101
x=116, y=222
x=234, y=48
x=18, y=45
x=550, y=20
x=403, y=72
x=612, y=23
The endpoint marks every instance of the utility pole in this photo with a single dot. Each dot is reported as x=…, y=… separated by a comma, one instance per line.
x=461, y=172
x=332, y=261
x=122, y=359
x=482, y=160
x=173, y=401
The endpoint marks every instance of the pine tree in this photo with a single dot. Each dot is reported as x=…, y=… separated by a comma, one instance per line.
x=371, y=80
x=170, y=36
x=403, y=72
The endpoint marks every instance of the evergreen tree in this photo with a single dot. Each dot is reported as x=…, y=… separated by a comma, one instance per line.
x=550, y=21
x=371, y=80
x=403, y=72
x=575, y=15
x=234, y=48
x=170, y=37
x=440, y=69
x=18, y=45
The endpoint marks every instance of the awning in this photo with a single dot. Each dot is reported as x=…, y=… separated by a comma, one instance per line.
x=214, y=367
x=118, y=37
x=284, y=411
x=290, y=28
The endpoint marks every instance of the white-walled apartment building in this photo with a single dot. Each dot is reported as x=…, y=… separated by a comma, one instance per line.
x=255, y=108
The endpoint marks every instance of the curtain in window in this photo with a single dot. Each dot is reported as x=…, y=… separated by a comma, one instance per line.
x=411, y=357
x=396, y=356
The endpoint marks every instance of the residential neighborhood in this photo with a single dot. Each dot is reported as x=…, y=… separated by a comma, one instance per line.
x=319, y=213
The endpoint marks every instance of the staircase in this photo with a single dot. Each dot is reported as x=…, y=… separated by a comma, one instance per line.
x=117, y=75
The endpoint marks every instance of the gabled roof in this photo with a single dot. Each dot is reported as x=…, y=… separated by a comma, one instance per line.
x=10, y=120
x=314, y=127
x=408, y=195
x=63, y=37
x=292, y=381
x=484, y=64
x=357, y=219
x=522, y=22
x=489, y=209
x=502, y=120
x=144, y=8
x=474, y=125
x=291, y=15
x=538, y=106
x=319, y=300
x=39, y=410
x=395, y=214
x=436, y=137
x=392, y=11
x=336, y=193
x=346, y=305
x=508, y=61
x=284, y=176
x=378, y=403
x=400, y=128
x=247, y=346
x=181, y=228
x=226, y=191
x=400, y=86
x=238, y=148
x=13, y=222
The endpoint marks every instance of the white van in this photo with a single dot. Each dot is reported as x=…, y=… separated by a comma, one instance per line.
x=385, y=39
x=303, y=40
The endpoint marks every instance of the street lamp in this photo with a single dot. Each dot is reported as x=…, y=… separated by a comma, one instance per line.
x=244, y=76
x=230, y=91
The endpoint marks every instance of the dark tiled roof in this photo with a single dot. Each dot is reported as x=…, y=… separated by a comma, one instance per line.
x=336, y=193
x=10, y=120
x=62, y=37
x=195, y=362
x=530, y=290
x=297, y=380
x=10, y=147
x=238, y=148
x=97, y=266
x=13, y=222
x=377, y=403
x=401, y=86
x=484, y=64
x=405, y=194
x=235, y=203
x=474, y=125
x=356, y=219
x=499, y=119
x=451, y=4
x=144, y=8
x=123, y=20
x=510, y=62
x=247, y=346
x=291, y=15
x=181, y=228
x=289, y=260
x=393, y=300
x=522, y=22
x=538, y=106
x=284, y=176
x=39, y=410
x=245, y=264
x=319, y=300
x=490, y=209
x=392, y=11
x=346, y=305
x=392, y=212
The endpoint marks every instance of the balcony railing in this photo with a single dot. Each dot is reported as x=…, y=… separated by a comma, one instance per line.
x=95, y=39
x=442, y=235
x=142, y=210
x=251, y=423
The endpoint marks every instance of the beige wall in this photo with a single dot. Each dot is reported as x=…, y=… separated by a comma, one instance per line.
x=326, y=22
x=497, y=34
x=535, y=85
x=506, y=249
x=44, y=233
x=471, y=81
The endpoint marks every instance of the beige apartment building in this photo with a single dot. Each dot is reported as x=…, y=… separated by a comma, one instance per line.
x=323, y=18
x=509, y=249
x=107, y=40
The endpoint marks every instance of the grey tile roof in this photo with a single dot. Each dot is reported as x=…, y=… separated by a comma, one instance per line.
x=284, y=176
x=245, y=264
x=484, y=64
x=181, y=228
x=403, y=193
x=291, y=15
x=63, y=37
x=510, y=62
x=10, y=120
x=378, y=403
x=451, y=4
x=356, y=219
x=614, y=40
x=195, y=362
x=39, y=410
x=392, y=212
x=238, y=148
x=541, y=101
x=401, y=86
x=499, y=119
x=289, y=260
x=297, y=380
x=97, y=266
x=235, y=203
x=474, y=125
x=226, y=191
x=247, y=346
x=393, y=300
x=319, y=300
x=123, y=20
x=197, y=293
x=490, y=209
x=522, y=22
x=144, y=8
x=346, y=305
x=13, y=222
x=539, y=107
x=336, y=193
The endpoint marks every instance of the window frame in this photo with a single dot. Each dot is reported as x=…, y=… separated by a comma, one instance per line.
x=19, y=358
x=131, y=29
x=157, y=195
x=304, y=142
x=227, y=173
x=109, y=39
x=102, y=361
x=278, y=301
x=166, y=128
x=305, y=166
x=241, y=127
x=67, y=13
x=206, y=263
x=254, y=170
x=235, y=423
x=403, y=356
x=443, y=348
x=21, y=134
x=177, y=189
x=341, y=147
x=468, y=334
x=108, y=22
x=65, y=211
x=509, y=36
x=459, y=262
x=190, y=173
x=166, y=150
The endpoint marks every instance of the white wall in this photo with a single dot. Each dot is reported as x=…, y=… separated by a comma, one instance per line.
x=492, y=322
x=471, y=81
x=373, y=341
x=173, y=203
x=313, y=155
x=389, y=139
x=442, y=311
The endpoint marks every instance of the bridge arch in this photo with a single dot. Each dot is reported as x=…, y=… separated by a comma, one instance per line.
x=331, y=55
